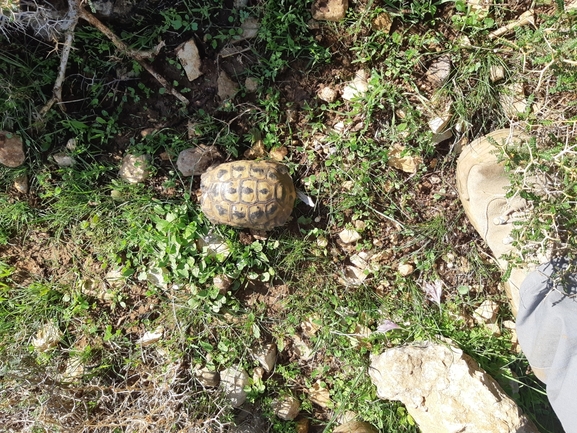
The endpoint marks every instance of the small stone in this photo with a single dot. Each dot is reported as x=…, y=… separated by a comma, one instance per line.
x=327, y=94
x=249, y=28
x=346, y=417
x=480, y=7
x=439, y=124
x=196, y=160
x=356, y=427
x=233, y=380
x=496, y=73
x=438, y=138
x=439, y=71
x=339, y=127
x=134, y=168
x=349, y=236
x=157, y=277
x=278, y=153
x=354, y=276
x=360, y=225
x=303, y=351
x=150, y=337
x=320, y=395
x=74, y=370
x=266, y=355
x=226, y=87
x=21, y=184
x=406, y=163
x=311, y=326
x=213, y=245
x=257, y=150
x=329, y=10
x=114, y=278
x=207, y=378
x=405, y=269
x=286, y=408
x=222, y=283
x=487, y=312
x=11, y=150
x=383, y=22
x=47, y=337
x=513, y=101
x=251, y=84
x=358, y=86
x=189, y=58
x=63, y=160
x=302, y=425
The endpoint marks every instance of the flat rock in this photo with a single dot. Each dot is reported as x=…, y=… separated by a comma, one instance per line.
x=358, y=86
x=286, y=408
x=383, y=22
x=251, y=84
x=207, y=378
x=249, y=28
x=196, y=160
x=329, y=10
x=445, y=391
x=47, y=337
x=327, y=94
x=355, y=427
x=11, y=150
x=63, y=159
x=135, y=169
x=189, y=58
x=349, y=236
x=513, y=101
x=233, y=380
x=439, y=71
x=226, y=87
x=21, y=184
x=265, y=354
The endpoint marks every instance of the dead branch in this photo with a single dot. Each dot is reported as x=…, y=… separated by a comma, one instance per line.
x=140, y=56
x=76, y=11
x=72, y=18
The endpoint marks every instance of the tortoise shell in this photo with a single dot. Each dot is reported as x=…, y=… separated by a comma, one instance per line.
x=255, y=194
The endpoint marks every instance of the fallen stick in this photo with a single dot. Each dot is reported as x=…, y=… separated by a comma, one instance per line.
x=72, y=18
x=525, y=18
x=140, y=56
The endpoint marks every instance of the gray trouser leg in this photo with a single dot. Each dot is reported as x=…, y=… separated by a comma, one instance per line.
x=547, y=332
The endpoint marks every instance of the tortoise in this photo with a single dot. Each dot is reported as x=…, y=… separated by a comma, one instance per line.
x=259, y=195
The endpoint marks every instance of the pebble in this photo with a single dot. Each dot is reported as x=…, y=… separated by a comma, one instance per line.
x=327, y=94
x=406, y=269
x=21, y=184
x=226, y=87
x=286, y=408
x=190, y=60
x=63, y=160
x=233, y=380
x=249, y=28
x=329, y=10
x=265, y=355
x=439, y=71
x=358, y=86
x=251, y=84
x=195, y=161
x=349, y=236
x=207, y=378
x=135, y=169
x=11, y=150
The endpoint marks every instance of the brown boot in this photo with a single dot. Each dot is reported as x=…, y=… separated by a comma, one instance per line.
x=482, y=184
